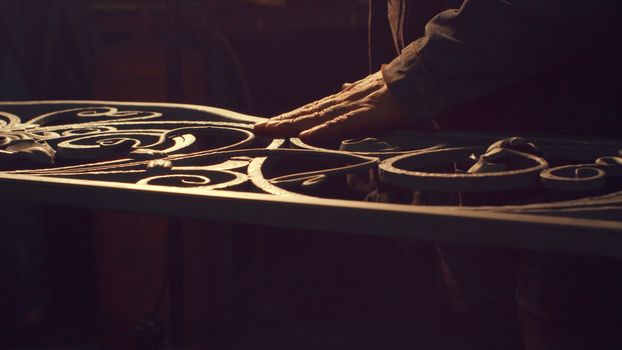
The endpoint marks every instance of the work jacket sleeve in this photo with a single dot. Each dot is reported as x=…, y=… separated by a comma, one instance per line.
x=487, y=45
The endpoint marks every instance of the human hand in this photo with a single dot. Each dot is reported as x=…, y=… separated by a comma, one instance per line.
x=359, y=108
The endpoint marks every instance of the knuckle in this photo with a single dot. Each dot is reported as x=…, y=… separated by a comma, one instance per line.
x=340, y=119
x=290, y=121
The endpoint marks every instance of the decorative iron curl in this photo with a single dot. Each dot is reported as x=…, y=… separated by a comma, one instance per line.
x=407, y=171
x=90, y=114
x=107, y=144
x=137, y=143
x=582, y=177
x=206, y=180
x=286, y=184
x=8, y=120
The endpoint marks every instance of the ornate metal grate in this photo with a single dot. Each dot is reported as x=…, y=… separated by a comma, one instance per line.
x=205, y=162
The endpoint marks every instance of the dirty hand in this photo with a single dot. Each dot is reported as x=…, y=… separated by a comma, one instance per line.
x=361, y=107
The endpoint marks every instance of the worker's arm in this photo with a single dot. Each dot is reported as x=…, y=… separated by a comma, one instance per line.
x=487, y=45
x=465, y=53
x=363, y=105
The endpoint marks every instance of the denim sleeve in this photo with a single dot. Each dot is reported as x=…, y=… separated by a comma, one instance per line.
x=489, y=44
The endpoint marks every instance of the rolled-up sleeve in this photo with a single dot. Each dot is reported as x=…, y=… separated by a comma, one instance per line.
x=487, y=45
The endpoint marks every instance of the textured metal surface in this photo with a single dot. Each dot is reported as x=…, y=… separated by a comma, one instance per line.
x=165, y=149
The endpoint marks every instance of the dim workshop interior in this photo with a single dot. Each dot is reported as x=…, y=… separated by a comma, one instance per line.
x=296, y=174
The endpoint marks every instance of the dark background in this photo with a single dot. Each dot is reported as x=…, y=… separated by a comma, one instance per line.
x=255, y=58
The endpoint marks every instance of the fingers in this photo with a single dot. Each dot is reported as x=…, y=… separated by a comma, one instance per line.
x=289, y=124
x=293, y=126
x=341, y=127
x=344, y=113
x=268, y=127
x=309, y=108
x=350, y=92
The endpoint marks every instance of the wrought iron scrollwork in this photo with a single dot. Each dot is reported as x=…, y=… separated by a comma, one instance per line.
x=154, y=146
x=491, y=173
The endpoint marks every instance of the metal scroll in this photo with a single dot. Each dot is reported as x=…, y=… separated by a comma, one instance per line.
x=210, y=150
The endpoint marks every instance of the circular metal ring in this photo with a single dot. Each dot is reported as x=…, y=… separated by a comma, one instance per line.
x=400, y=171
x=282, y=185
x=578, y=177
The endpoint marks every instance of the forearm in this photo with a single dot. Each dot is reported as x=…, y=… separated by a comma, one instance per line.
x=487, y=45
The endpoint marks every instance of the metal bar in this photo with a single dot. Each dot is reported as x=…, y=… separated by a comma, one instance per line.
x=448, y=224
